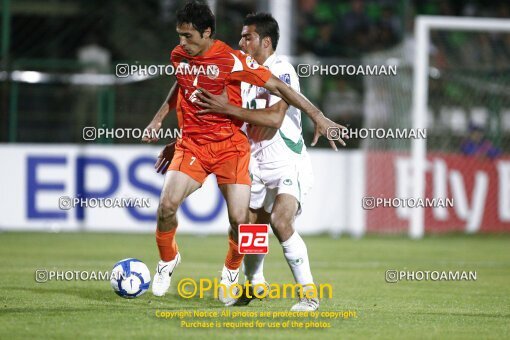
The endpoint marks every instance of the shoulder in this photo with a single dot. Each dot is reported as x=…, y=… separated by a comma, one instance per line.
x=221, y=47
x=283, y=69
x=245, y=62
x=225, y=56
x=283, y=63
x=222, y=50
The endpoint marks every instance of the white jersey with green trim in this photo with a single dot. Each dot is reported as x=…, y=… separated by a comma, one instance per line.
x=254, y=97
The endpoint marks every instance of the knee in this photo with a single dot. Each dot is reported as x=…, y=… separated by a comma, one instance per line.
x=238, y=217
x=167, y=209
x=281, y=221
x=235, y=219
x=282, y=225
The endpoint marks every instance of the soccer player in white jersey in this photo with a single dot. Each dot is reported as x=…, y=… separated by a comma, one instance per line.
x=280, y=166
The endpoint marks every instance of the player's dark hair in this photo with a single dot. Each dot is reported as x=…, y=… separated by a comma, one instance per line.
x=265, y=26
x=199, y=15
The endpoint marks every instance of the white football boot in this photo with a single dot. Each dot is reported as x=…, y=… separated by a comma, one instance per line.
x=228, y=278
x=163, y=276
x=306, y=304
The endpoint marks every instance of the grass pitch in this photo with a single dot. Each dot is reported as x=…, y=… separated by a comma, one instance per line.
x=355, y=269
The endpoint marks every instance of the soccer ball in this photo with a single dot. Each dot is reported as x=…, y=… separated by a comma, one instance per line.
x=130, y=278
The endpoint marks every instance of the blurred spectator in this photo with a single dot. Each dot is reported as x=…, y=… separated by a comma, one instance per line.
x=356, y=19
x=94, y=60
x=315, y=28
x=93, y=57
x=477, y=145
x=341, y=101
x=388, y=29
x=322, y=46
x=229, y=19
x=354, y=30
x=343, y=104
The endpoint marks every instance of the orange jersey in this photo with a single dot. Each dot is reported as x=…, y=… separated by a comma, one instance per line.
x=220, y=67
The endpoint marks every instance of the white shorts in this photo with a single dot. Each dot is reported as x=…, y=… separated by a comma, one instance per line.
x=275, y=171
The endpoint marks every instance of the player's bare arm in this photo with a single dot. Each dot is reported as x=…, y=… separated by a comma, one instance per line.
x=165, y=158
x=167, y=106
x=296, y=99
x=269, y=117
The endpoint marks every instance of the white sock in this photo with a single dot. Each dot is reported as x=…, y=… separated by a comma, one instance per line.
x=254, y=268
x=294, y=250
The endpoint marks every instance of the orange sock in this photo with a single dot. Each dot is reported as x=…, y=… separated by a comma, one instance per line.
x=166, y=244
x=234, y=259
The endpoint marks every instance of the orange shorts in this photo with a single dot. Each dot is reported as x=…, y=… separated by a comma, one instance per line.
x=228, y=159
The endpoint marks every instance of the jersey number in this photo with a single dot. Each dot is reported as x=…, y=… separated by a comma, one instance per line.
x=193, y=159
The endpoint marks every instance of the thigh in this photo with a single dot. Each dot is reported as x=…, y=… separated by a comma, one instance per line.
x=280, y=178
x=259, y=216
x=187, y=160
x=305, y=179
x=238, y=199
x=294, y=179
x=177, y=187
x=283, y=216
x=285, y=208
x=231, y=160
x=258, y=188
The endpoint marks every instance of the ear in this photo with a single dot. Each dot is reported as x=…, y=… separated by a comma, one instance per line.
x=266, y=42
x=207, y=32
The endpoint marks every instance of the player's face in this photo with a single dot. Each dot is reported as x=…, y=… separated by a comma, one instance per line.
x=250, y=41
x=190, y=39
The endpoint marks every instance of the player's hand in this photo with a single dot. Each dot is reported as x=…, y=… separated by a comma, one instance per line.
x=165, y=158
x=152, y=135
x=329, y=129
x=213, y=102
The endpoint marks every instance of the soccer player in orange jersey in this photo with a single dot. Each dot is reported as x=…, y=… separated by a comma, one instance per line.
x=211, y=143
